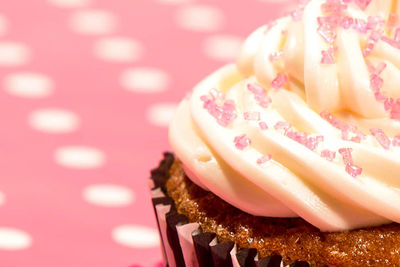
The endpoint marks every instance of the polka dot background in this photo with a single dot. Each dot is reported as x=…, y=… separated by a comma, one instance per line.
x=88, y=88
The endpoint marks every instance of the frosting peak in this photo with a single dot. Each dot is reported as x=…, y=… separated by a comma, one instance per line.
x=308, y=121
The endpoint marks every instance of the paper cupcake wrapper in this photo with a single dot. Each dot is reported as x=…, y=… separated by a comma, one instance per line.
x=185, y=244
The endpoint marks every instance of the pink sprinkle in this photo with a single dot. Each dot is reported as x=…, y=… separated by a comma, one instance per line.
x=330, y=22
x=328, y=155
x=229, y=105
x=395, y=111
x=327, y=57
x=252, y=116
x=204, y=98
x=381, y=137
x=370, y=66
x=327, y=33
x=355, y=139
x=227, y=118
x=264, y=101
x=255, y=89
x=327, y=115
x=334, y=122
x=264, y=159
x=241, y=142
x=376, y=83
x=313, y=142
x=222, y=110
x=346, y=154
x=388, y=104
x=333, y=7
x=260, y=95
x=363, y=4
x=381, y=67
x=396, y=141
x=375, y=36
x=353, y=135
x=263, y=125
x=353, y=170
x=328, y=25
x=368, y=49
x=303, y=139
x=299, y=137
x=346, y=22
x=279, y=81
x=393, y=20
x=360, y=25
x=374, y=22
x=275, y=56
x=380, y=97
x=282, y=125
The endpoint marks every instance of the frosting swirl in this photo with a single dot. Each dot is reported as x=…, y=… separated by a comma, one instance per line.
x=306, y=123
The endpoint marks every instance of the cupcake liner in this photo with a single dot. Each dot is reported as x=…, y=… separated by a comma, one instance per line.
x=173, y=220
x=161, y=205
x=202, y=246
x=246, y=257
x=185, y=244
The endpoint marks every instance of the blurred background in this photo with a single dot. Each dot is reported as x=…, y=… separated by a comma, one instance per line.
x=87, y=90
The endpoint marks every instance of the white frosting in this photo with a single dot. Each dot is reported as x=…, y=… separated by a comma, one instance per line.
x=298, y=181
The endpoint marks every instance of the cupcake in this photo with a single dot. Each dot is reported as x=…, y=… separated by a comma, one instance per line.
x=291, y=156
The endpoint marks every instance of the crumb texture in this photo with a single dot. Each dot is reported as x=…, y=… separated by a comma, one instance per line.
x=293, y=238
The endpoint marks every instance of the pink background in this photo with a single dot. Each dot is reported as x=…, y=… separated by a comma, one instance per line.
x=63, y=206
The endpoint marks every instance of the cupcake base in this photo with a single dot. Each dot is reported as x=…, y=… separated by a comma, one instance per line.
x=200, y=229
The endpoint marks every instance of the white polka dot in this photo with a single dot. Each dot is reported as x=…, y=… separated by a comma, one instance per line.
x=69, y=3
x=54, y=120
x=2, y=198
x=136, y=236
x=222, y=47
x=161, y=114
x=93, y=22
x=118, y=49
x=108, y=195
x=200, y=18
x=144, y=80
x=79, y=157
x=174, y=2
x=28, y=84
x=14, y=239
x=13, y=54
x=3, y=25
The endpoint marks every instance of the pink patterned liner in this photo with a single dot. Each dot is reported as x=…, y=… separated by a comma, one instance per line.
x=185, y=244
